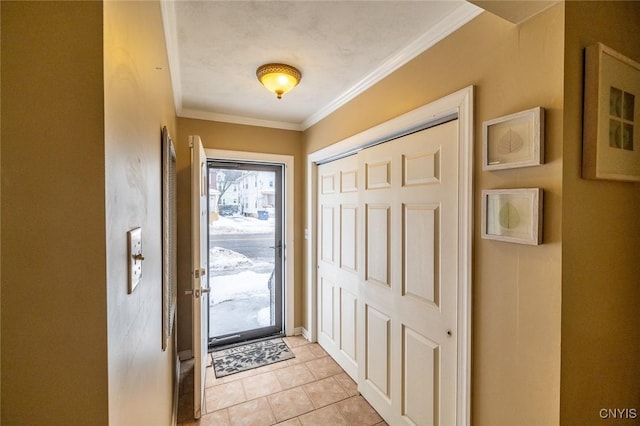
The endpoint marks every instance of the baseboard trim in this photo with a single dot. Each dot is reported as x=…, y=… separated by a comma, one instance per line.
x=304, y=332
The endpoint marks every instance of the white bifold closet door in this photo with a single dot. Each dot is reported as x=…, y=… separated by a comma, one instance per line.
x=388, y=273
x=338, y=261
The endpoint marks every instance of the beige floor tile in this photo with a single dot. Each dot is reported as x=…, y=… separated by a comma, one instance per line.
x=217, y=418
x=223, y=396
x=357, y=411
x=323, y=367
x=290, y=422
x=325, y=392
x=302, y=354
x=272, y=367
x=290, y=403
x=317, y=350
x=252, y=413
x=288, y=392
x=325, y=416
x=347, y=384
x=294, y=375
x=261, y=385
x=293, y=341
x=210, y=378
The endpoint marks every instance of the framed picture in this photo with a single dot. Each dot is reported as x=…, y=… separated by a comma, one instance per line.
x=512, y=215
x=611, y=129
x=515, y=140
x=169, y=235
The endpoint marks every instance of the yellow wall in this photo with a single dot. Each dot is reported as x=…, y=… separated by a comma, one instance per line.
x=234, y=137
x=54, y=329
x=83, y=103
x=138, y=102
x=601, y=242
x=516, y=296
x=0, y=219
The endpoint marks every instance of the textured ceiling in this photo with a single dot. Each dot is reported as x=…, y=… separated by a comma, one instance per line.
x=341, y=48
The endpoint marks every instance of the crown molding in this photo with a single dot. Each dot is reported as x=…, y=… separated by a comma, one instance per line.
x=236, y=119
x=456, y=19
x=171, y=41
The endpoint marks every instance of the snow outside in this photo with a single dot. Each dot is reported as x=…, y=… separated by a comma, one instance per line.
x=240, y=263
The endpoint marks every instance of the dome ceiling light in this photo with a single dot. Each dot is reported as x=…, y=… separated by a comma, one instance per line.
x=278, y=78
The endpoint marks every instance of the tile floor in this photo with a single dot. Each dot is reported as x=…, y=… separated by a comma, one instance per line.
x=310, y=389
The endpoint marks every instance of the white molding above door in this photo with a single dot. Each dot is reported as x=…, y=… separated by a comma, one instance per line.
x=458, y=104
x=288, y=228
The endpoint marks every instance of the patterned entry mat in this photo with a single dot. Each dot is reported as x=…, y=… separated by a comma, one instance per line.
x=249, y=356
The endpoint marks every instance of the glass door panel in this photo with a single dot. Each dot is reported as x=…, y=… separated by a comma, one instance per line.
x=245, y=251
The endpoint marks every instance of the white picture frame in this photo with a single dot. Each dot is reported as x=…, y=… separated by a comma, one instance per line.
x=513, y=215
x=514, y=140
x=611, y=125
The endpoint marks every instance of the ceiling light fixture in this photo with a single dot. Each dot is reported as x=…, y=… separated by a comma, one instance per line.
x=278, y=78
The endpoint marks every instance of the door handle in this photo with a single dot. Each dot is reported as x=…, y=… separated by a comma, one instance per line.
x=198, y=292
x=279, y=247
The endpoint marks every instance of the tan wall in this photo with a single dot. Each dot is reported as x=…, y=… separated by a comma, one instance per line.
x=516, y=296
x=601, y=242
x=237, y=138
x=54, y=329
x=138, y=102
x=0, y=222
x=85, y=147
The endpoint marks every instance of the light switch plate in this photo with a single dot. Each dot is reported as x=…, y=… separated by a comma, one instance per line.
x=134, y=254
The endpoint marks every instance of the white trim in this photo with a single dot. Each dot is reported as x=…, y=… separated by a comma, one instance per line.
x=171, y=40
x=236, y=119
x=460, y=102
x=456, y=19
x=289, y=252
x=297, y=331
x=304, y=333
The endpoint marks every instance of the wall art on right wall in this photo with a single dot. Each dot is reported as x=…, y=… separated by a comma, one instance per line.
x=512, y=215
x=611, y=127
x=515, y=140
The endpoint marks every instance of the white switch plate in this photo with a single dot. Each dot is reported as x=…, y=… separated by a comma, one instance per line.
x=134, y=254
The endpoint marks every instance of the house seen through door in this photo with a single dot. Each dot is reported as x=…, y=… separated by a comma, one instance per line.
x=245, y=251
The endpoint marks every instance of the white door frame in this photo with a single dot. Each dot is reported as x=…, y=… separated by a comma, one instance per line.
x=287, y=225
x=460, y=103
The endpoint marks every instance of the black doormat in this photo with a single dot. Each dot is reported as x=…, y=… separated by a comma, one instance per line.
x=250, y=356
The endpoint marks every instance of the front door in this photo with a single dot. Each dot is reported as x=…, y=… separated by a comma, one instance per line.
x=199, y=267
x=245, y=251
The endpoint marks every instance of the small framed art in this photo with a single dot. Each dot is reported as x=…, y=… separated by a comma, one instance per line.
x=611, y=129
x=515, y=140
x=512, y=215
